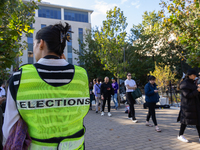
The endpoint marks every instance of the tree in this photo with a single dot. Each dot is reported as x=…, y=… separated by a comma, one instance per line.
x=88, y=58
x=163, y=76
x=15, y=20
x=183, y=20
x=154, y=43
x=111, y=39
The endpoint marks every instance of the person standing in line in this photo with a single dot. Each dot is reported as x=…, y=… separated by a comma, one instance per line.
x=115, y=87
x=130, y=87
x=50, y=98
x=94, y=82
x=91, y=94
x=151, y=98
x=3, y=92
x=190, y=104
x=106, y=89
x=2, y=99
x=97, y=93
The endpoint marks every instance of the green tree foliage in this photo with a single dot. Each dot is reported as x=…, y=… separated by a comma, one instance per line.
x=15, y=20
x=182, y=18
x=111, y=39
x=153, y=43
x=89, y=59
x=139, y=66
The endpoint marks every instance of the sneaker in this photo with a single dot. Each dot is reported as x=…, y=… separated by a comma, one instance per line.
x=135, y=121
x=102, y=113
x=130, y=118
x=157, y=129
x=109, y=114
x=182, y=138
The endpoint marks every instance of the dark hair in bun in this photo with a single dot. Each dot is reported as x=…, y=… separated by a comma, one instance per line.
x=55, y=37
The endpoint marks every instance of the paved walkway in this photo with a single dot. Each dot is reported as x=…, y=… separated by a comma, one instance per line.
x=119, y=133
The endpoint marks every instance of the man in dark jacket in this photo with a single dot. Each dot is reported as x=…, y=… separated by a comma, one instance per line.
x=190, y=104
x=106, y=91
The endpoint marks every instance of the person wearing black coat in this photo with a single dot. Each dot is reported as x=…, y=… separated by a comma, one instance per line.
x=190, y=104
x=106, y=92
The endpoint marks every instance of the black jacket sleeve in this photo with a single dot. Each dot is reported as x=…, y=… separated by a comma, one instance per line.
x=187, y=92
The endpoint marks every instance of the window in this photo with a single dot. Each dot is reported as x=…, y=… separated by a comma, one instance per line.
x=43, y=25
x=30, y=48
x=76, y=16
x=80, y=35
x=49, y=12
x=69, y=50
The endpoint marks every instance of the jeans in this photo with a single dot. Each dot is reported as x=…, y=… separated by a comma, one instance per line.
x=98, y=100
x=114, y=97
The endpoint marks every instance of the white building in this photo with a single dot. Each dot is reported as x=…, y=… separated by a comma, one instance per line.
x=49, y=14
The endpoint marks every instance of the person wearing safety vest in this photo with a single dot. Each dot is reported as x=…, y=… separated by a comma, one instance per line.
x=51, y=96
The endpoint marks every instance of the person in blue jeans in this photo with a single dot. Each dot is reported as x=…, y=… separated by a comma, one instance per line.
x=151, y=98
x=115, y=87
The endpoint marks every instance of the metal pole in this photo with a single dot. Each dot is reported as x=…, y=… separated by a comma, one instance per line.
x=170, y=87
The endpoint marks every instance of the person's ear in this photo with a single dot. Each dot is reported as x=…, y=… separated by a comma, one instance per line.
x=41, y=44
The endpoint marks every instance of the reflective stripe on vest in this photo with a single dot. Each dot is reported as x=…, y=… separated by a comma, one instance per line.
x=76, y=144
x=52, y=112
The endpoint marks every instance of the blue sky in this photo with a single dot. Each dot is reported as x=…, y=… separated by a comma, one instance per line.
x=133, y=9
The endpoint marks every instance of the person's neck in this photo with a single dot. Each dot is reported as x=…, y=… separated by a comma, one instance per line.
x=50, y=54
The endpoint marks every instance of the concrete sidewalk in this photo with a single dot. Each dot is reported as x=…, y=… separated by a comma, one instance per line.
x=119, y=133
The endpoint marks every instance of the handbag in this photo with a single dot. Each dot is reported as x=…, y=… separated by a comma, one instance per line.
x=136, y=94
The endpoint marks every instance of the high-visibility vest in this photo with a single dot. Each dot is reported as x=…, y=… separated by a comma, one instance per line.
x=54, y=115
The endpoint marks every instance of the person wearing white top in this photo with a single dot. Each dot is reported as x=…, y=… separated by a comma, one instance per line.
x=130, y=87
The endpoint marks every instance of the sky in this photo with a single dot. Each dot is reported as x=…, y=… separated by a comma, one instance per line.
x=133, y=9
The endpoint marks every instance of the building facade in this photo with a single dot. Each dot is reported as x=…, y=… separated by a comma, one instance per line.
x=49, y=14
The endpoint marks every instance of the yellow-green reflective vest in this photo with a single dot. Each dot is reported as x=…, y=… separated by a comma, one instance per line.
x=53, y=112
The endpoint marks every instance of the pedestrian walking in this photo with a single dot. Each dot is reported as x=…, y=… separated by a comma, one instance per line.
x=130, y=87
x=51, y=96
x=91, y=94
x=115, y=87
x=106, y=91
x=190, y=104
x=151, y=98
x=97, y=93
